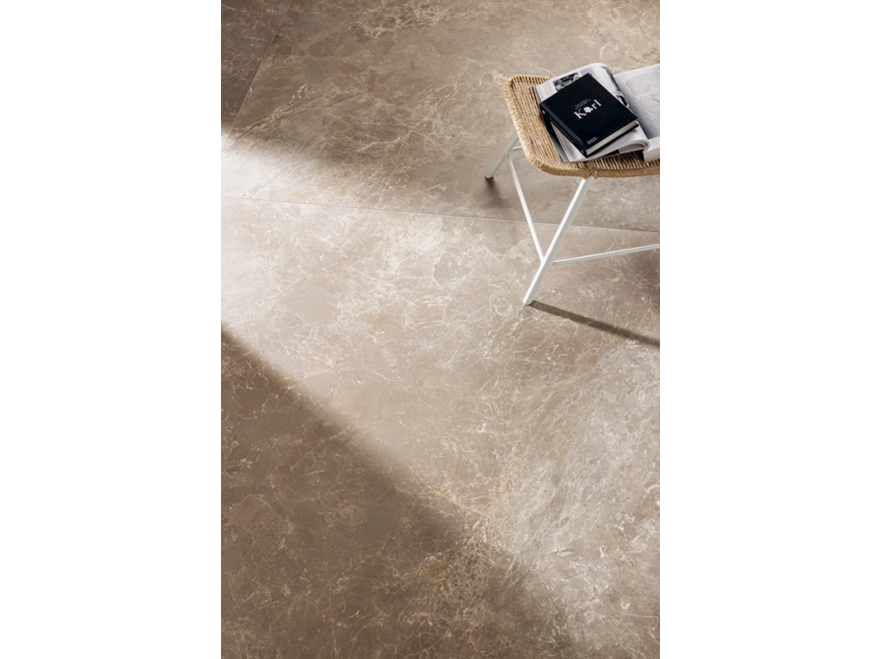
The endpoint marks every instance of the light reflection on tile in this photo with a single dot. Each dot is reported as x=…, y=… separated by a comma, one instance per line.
x=400, y=108
x=414, y=463
x=536, y=426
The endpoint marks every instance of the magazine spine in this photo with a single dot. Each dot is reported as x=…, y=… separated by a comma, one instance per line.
x=563, y=128
x=578, y=144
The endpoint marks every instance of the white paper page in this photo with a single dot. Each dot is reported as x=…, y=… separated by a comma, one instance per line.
x=642, y=88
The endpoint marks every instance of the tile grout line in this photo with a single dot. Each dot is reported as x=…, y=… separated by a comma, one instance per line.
x=262, y=62
x=454, y=216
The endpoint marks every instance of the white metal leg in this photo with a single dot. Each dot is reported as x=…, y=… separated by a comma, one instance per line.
x=525, y=209
x=548, y=259
x=509, y=145
x=617, y=252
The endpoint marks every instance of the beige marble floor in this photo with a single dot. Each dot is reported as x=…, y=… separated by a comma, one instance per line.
x=415, y=464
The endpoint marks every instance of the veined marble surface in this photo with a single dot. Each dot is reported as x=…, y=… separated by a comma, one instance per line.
x=415, y=464
x=249, y=26
x=397, y=105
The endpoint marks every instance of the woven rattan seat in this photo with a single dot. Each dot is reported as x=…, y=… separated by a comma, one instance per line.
x=539, y=150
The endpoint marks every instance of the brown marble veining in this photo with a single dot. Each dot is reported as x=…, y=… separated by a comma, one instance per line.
x=414, y=464
x=397, y=105
x=248, y=28
x=330, y=551
x=531, y=432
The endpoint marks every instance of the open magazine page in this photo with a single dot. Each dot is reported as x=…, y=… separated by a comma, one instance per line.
x=642, y=88
x=634, y=140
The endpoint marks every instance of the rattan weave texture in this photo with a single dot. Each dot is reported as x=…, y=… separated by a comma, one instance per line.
x=540, y=151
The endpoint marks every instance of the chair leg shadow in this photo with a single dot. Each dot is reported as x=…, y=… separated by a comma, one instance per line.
x=596, y=324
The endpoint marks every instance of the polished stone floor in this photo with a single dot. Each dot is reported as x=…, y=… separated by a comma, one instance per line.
x=415, y=464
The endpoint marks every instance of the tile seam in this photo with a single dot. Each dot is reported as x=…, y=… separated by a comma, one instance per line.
x=454, y=216
x=284, y=15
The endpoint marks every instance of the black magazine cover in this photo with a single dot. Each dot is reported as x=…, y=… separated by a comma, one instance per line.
x=588, y=114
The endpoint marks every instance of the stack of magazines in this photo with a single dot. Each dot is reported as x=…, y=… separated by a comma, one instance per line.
x=585, y=123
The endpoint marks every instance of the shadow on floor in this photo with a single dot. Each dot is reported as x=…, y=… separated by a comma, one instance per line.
x=596, y=324
x=335, y=111
x=329, y=552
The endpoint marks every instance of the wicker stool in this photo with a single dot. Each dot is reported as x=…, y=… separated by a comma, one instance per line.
x=539, y=150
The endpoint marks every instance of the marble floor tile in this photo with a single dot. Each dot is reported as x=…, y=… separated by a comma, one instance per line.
x=248, y=28
x=414, y=461
x=397, y=105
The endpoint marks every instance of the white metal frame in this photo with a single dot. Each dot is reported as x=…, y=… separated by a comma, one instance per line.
x=547, y=258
